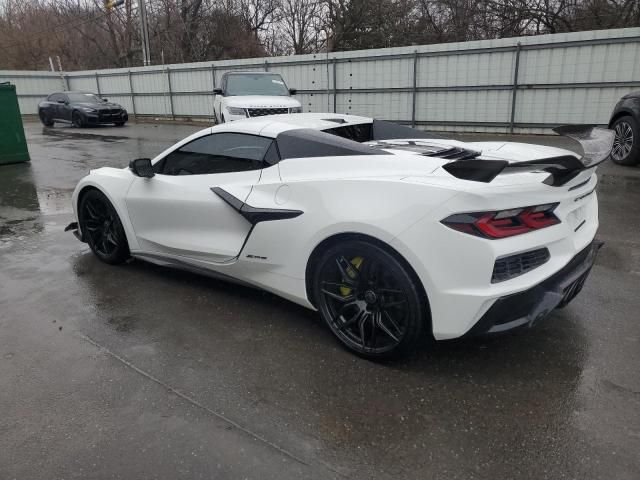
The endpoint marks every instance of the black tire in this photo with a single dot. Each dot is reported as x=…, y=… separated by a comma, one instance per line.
x=44, y=118
x=119, y=124
x=369, y=299
x=102, y=228
x=626, y=146
x=76, y=120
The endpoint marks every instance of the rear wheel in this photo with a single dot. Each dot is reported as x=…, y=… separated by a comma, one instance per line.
x=626, y=145
x=369, y=299
x=45, y=119
x=76, y=120
x=102, y=229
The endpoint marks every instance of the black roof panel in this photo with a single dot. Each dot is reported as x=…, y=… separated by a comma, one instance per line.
x=306, y=142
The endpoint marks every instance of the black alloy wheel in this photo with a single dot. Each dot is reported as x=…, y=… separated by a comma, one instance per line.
x=369, y=299
x=44, y=118
x=76, y=120
x=102, y=228
x=626, y=145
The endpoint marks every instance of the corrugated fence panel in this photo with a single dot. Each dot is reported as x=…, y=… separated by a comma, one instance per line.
x=562, y=78
x=157, y=105
x=31, y=90
x=193, y=105
x=303, y=77
x=150, y=82
x=391, y=106
x=485, y=106
x=560, y=106
x=493, y=68
x=191, y=81
x=114, y=84
x=82, y=83
x=316, y=102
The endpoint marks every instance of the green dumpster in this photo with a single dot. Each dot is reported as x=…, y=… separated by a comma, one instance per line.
x=13, y=144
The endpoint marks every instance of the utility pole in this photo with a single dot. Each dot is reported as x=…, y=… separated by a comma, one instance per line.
x=144, y=26
x=144, y=33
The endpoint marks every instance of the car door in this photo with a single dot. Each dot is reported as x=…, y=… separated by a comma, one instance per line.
x=64, y=108
x=177, y=213
x=53, y=109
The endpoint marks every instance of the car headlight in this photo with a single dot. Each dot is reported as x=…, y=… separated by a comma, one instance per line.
x=236, y=111
x=88, y=109
x=295, y=110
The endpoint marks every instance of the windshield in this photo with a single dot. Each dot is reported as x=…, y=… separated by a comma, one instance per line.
x=255, y=84
x=84, y=98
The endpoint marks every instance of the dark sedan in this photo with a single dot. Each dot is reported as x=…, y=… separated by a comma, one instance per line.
x=625, y=122
x=80, y=109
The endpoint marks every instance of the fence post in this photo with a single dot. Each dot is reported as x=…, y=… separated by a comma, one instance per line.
x=98, y=85
x=414, y=88
x=335, y=88
x=515, y=88
x=213, y=81
x=132, y=95
x=170, y=93
x=266, y=66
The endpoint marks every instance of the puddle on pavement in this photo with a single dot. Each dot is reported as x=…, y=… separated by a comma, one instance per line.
x=19, y=205
x=77, y=135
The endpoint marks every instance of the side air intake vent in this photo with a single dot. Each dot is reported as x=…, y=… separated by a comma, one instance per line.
x=512, y=266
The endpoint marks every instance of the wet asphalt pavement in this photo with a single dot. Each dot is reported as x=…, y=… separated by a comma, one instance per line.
x=139, y=371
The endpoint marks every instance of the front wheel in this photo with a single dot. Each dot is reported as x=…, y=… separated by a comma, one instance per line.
x=76, y=120
x=119, y=124
x=45, y=119
x=369, y=299
x=626, y=145
x=102, y=228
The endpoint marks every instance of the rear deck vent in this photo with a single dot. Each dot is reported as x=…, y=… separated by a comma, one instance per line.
x=454, y=153
x=512, y=266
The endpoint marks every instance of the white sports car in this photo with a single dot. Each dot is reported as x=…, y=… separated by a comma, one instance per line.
x=389, y=232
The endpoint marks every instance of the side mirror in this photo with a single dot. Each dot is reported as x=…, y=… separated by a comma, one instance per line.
x=293, y=91
x=142, y=167
x=217, y=91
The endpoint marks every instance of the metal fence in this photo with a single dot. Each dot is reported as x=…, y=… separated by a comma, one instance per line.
x=526, y=84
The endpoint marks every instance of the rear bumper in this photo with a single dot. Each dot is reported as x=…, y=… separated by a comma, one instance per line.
x=532, y=305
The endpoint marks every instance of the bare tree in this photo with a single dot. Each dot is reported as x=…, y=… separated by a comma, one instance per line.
x=300, y=21
x=86, y=35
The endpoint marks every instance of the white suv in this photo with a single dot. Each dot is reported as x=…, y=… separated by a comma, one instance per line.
x=252, y=94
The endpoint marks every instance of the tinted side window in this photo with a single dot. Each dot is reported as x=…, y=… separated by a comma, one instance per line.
x=55, y=97
x=217, y=153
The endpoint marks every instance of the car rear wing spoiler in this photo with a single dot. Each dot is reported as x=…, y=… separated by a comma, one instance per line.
x=596, y=145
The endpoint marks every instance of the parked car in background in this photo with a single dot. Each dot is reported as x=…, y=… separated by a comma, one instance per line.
x=81, y=109
x=625, y=122
x=253, y=94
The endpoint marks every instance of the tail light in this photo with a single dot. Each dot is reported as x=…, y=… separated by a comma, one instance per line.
x=504, y=223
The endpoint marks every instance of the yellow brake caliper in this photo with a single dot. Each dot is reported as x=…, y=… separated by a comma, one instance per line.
x=356, y=262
